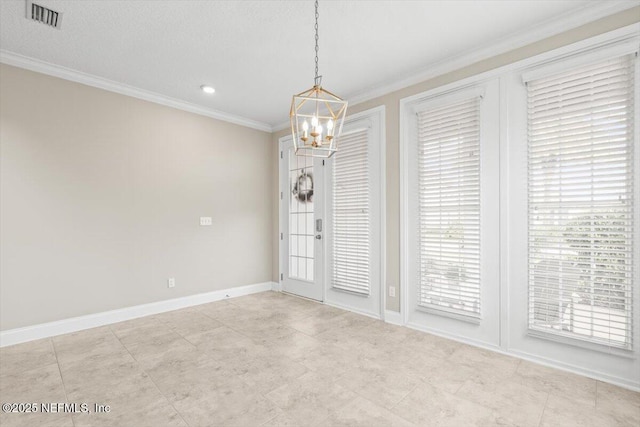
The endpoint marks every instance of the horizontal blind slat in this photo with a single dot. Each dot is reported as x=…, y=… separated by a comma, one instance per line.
x=350, y=215
x=449, y=207
x=580, y=195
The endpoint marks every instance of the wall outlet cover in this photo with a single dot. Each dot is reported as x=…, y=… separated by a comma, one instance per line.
x=171, y=282
x=206, y=220
x=392, y=291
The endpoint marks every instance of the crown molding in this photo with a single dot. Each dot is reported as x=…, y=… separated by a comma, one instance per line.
x=535, y=33
x=32, y=64
x=557, y=25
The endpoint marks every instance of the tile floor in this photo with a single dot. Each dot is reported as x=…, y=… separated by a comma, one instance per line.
x=275, y=360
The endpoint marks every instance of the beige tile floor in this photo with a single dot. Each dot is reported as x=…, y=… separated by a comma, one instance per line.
x=276, y=360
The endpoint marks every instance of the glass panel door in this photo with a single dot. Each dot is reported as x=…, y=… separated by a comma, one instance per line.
x=301, y=223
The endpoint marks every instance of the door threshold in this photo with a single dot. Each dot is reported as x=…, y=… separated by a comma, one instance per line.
x=301, y=297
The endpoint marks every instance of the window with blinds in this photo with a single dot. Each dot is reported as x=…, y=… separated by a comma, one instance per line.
x=449, y=207
x=351, y=214
x=580, y=191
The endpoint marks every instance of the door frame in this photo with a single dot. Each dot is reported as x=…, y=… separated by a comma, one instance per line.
x=377, y=114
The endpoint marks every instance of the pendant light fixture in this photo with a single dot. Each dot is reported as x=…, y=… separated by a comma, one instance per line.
x=316, y=117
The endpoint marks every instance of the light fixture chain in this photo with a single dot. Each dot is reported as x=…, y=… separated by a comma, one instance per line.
x=316, y=27
x=315, y=124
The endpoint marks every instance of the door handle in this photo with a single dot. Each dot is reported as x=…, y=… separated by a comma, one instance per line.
x=318, y=236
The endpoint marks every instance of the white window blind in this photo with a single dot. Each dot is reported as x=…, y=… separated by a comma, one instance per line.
x=449, y=207
x=351, y=214
x=580, y=215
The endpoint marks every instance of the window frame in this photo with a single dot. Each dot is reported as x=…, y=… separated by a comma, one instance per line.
x=475, y=97
x=567, y=64
x=373, y=304
x=331, y=217
x=608, y=364
x=483, y=328
x=600, y=360
x=575, y=66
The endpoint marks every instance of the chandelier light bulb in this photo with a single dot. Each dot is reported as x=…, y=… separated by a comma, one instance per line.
x=314, y=121
x=305, y=126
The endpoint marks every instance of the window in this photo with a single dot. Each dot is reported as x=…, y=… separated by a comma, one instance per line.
x=301, y=217
x=580, y=202
x=355, y=215
x=520, y=208
x=351, y=214
x=449, y=207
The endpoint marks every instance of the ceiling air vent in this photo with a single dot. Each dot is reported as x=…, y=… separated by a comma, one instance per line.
x=44, y=15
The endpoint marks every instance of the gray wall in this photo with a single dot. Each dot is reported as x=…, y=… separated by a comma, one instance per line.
x=101, y=195
x=391, y=102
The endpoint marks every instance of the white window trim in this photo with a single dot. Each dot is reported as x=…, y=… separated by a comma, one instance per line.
x=611, y=40
x=436, y=101
x=597, y=54
x=375, y=119
x=620, y=36
x=482, y=329
x=560, y=66
x=330, y=218
x=603, y=360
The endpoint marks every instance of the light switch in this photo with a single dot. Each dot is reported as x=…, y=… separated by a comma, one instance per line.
x=392, y=291
x=205, y=220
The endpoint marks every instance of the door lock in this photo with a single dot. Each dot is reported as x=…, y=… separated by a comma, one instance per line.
x=318, y=236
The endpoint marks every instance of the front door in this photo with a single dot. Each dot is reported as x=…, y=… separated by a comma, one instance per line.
x=301, y=223
x=331, y=219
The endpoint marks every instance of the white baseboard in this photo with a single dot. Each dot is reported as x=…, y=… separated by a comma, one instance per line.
x=454, y=337
x=628, y=383
x=353, y=310
x=74, y=324
x=276, y=286
x=393, y=317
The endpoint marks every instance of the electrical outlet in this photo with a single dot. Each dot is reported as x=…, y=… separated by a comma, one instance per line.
x=392, y=291
x=171, y=282
x=206, y=220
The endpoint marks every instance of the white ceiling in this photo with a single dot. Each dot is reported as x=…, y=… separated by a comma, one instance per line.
x=258, y=53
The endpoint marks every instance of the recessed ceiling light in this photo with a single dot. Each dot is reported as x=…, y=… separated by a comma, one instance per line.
x=207, y=89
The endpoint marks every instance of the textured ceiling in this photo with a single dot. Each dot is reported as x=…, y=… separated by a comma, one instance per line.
x=258, y=53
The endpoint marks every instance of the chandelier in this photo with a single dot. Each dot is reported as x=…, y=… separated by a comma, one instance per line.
x=316, y=117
